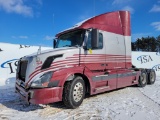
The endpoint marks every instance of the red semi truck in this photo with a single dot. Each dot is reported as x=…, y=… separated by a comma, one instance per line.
x=92, y=57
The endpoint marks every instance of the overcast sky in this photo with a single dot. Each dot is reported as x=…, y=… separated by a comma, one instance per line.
x=35, y=22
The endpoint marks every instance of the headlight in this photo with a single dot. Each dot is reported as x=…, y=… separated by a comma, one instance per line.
x=42, y=81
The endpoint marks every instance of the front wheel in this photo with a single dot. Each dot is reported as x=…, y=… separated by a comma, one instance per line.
x=74, y=92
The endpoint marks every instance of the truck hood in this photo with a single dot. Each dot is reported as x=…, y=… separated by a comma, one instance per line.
x=35, y=61
x=62, y=50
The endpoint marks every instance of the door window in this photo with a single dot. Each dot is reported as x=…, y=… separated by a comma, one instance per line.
x=100, y=42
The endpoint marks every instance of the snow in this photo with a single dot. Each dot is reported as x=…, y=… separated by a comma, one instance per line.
x=130, y=103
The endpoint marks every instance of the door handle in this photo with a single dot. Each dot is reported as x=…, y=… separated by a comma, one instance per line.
x=104, y=64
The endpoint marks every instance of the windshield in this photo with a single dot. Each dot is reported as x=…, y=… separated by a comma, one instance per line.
x=71, y=39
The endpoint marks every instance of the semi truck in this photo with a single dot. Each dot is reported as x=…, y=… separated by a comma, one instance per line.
x=92, y=57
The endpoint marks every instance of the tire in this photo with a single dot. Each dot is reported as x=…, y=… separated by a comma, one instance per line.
x=151, y=77
x=74, y=92
x=142, y=82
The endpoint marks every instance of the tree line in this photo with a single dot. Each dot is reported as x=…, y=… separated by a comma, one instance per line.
x=148, y=44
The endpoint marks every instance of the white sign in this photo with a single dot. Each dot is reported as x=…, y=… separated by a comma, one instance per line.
x=147, y=60
x=9, y=56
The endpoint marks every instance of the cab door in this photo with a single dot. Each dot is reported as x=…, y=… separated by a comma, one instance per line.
x=95, y=60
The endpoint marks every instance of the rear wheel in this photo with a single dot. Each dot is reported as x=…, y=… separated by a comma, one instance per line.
x=151, y=77
x=142, y=79
x=74, y=92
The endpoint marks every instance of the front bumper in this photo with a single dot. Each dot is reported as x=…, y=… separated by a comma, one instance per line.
x=40, y=96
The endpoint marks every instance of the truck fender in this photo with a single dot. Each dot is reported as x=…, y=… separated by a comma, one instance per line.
x=70, y=76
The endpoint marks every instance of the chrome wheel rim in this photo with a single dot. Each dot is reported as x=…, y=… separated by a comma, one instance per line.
x=78, y=92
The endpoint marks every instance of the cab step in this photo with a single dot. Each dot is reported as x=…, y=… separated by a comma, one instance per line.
x=101, y=89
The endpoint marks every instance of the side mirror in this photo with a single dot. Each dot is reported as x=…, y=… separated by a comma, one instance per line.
x=94, y=38
x=54, y=43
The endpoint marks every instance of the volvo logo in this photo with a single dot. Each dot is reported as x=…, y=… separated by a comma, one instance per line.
x=144, y=58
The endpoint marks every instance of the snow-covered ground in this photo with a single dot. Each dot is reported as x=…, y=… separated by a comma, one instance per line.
x=130, y=103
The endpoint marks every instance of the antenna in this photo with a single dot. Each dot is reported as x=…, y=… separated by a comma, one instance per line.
x=53, y=22
x=94, y=4
x=94, y=7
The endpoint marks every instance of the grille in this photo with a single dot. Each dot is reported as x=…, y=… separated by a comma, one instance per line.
x=22, y=70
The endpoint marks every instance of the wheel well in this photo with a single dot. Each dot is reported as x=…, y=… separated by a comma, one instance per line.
x=86, y=80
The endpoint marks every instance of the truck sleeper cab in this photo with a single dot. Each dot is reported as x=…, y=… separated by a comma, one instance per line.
x=92, y=57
